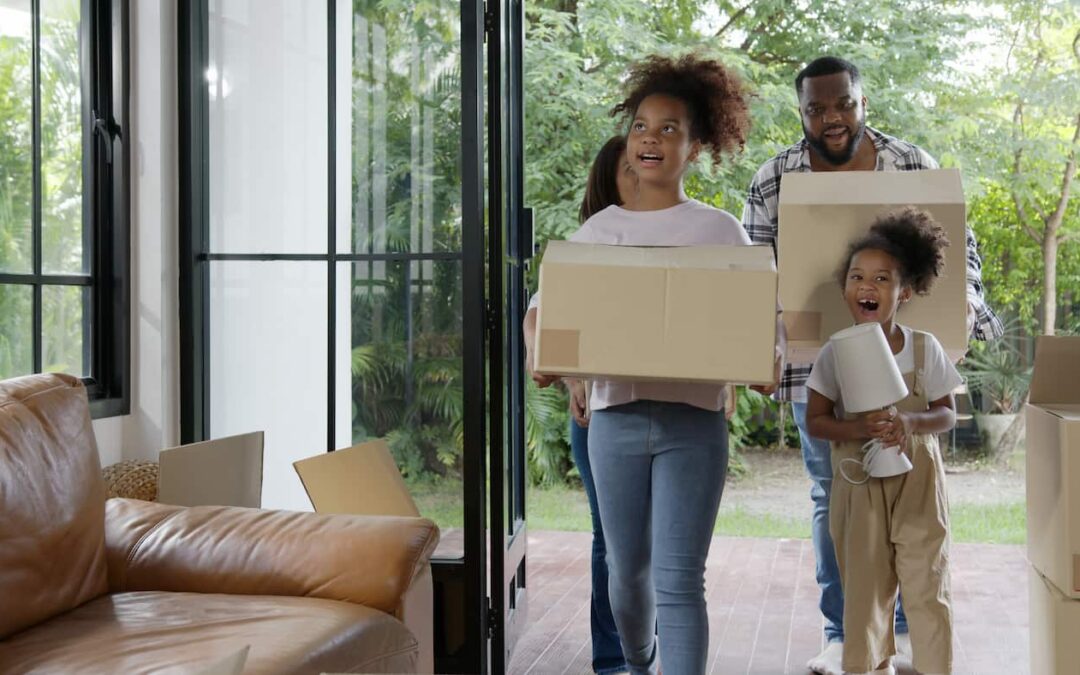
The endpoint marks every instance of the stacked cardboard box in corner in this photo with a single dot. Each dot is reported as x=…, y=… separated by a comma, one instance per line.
x=1053, y=506
x=690, y=314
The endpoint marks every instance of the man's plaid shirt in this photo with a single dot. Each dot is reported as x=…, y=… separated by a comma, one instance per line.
x=760, y=219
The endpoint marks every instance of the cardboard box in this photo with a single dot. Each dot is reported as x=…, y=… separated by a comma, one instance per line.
x=693, y=314
x=821, y=213
x=1055, y=626
x=221, y=472
x=363, y=479
x=1053, y=462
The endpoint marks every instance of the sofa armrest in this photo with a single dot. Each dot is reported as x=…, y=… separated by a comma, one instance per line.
x=365, y=560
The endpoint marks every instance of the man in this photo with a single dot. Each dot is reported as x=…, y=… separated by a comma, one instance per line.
x=836, y=138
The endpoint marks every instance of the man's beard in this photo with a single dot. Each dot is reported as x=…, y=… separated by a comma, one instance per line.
x=845, y=155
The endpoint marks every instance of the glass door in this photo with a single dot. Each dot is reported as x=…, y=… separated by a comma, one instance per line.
x=333, y=254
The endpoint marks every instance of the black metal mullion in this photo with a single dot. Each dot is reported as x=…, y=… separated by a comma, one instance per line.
x=455, y=256
x=473, y=338
x=46, y=279
x=331, y=210
x=35, y=139
x=194, y=206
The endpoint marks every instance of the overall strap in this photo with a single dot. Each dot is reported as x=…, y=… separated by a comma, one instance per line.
x=919, y=347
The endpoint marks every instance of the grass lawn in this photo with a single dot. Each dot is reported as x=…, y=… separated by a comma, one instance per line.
x=567, y=509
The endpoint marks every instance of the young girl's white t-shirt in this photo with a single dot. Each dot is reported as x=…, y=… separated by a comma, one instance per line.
x=939, y=376
x=687, y=224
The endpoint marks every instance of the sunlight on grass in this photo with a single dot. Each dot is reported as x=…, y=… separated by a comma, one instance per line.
x=566, y=509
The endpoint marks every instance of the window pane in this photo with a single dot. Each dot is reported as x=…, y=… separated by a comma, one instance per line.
x=267, y=82
x=16, y=142
x=64, y=312
x=61, y=139
x=406, y=128
x=406, y=380
x=16, y=330
x=268, y=342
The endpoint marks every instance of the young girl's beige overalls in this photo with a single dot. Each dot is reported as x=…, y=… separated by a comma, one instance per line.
x=889, y=531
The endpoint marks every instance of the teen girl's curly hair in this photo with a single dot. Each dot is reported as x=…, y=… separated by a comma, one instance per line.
x=914, y=238
x=715, y=97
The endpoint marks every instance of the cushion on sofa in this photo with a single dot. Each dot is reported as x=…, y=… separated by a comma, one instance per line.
x=52, y=501
x=153, y=631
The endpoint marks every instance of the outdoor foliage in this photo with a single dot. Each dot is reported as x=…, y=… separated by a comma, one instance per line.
x=991, y=87
x=61, y=191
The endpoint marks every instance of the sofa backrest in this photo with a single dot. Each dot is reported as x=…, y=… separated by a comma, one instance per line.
x=52, y=501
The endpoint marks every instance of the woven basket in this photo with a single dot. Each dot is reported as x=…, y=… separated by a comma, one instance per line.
x=132, y=479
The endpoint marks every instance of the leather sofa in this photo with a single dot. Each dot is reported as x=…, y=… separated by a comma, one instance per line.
x=125, y=586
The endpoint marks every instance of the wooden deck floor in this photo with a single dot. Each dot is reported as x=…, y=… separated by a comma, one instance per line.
x=762, y=603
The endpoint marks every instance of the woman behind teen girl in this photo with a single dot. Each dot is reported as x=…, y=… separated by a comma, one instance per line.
x=892, y=532
x=659, y=450
x=611, y=181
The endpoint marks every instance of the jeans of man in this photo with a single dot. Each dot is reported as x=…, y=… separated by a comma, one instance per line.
x=607, y=654
x=817, y=457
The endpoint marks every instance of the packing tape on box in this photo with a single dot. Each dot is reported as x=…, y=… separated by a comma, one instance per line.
x=561, y=347
x=1076, y=573
x=803, y=326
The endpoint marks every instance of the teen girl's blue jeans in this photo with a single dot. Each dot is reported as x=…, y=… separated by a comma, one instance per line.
x=659, y=470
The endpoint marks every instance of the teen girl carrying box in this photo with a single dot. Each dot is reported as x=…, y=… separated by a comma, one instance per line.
x=891, y=533
x=659, y=450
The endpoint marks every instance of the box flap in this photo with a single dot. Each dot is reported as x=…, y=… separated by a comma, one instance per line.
x=222, y=472
x=1056, y=378
x=1069, y=412
x=712, y=256
x=938, y=186
x=362, y=480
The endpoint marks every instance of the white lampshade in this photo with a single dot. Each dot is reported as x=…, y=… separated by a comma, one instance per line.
x=865, y=368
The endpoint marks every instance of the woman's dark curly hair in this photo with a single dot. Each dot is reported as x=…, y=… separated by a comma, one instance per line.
x=914, y=238
x=602, y=190
x=715, y=97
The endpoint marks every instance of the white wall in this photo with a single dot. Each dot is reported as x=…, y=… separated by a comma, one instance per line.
x=155, y=413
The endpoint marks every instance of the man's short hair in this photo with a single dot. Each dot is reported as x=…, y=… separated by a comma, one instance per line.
x=827, y=65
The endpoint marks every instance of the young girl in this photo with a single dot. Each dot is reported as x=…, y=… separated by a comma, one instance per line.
x=659, y=450
x=891, y=532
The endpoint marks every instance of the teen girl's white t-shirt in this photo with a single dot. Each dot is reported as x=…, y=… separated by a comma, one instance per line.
x=687, y=224
x=939, y=376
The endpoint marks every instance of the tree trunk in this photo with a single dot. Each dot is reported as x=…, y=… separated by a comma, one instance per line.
x=1049, y=251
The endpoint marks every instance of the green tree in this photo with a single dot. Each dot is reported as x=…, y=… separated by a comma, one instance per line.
x=1032, y=137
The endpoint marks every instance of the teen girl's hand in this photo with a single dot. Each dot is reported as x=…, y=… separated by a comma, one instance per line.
x=579, y=405
x=770, y=389
x=541, y=380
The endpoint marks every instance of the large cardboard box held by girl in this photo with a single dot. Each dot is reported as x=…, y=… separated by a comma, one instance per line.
x=821, y=213
x=1052, y=417
x=693, y=314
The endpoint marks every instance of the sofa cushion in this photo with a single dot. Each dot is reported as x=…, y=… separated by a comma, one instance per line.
x=52, y=501
x=143, y=632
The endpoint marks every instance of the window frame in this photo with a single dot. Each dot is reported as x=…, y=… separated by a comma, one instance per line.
x=104, y=77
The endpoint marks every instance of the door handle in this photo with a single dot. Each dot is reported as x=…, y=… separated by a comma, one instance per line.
x=104, y=129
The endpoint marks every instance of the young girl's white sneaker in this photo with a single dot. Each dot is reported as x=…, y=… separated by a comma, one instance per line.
x=828, y=662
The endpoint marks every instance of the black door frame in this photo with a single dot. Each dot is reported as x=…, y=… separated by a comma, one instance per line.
x=460, y=585
x=509, y=248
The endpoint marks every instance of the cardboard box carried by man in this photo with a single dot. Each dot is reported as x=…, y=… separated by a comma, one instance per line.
x=821, y=213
